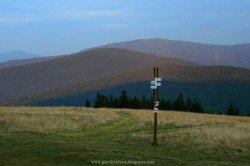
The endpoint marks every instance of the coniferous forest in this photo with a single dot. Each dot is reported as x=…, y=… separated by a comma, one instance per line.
x=180, y=103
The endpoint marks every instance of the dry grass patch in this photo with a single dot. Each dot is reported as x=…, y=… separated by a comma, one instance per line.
x=225, y=136
x=195, y=129
x=46, y=120
x=186, y=118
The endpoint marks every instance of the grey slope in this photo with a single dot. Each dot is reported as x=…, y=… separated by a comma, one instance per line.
x=205, y=54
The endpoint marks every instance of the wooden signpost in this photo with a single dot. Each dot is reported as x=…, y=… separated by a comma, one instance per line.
x=155, y=84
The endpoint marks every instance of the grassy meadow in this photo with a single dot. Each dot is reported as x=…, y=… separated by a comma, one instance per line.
x=87, y=136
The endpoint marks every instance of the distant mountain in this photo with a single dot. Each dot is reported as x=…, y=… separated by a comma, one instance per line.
x=16, y=55
x=78, y=72
x=22, y=62
x=104, y=68
x=204, y=54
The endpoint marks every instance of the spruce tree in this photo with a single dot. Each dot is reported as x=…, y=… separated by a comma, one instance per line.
x=144, y=103
x=87, y=103
x=136, y=103
x=179, y=102
x=115, y=103
x=162, y=104
x=231, y=110
x=196, y=107
x=98, y=100
x=168, y=105
x=123, y=99
x=188, y=104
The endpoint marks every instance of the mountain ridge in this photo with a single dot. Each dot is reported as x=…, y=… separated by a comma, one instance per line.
x=204, y=54
x=16, y=55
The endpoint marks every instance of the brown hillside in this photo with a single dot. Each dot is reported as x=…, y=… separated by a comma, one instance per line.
x=102, y=68
x=204, y=54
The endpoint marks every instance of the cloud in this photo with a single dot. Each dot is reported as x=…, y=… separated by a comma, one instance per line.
x=61, y=15
x=17, y=19
x=116, y=26
x=14, y=12
x=78, y=14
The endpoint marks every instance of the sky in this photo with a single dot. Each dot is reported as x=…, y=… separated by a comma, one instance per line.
x=54, y=27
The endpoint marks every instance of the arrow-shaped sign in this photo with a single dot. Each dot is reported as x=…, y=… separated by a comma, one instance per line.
x=155, y=83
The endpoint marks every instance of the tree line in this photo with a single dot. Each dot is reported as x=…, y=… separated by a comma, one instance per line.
x=180, y=103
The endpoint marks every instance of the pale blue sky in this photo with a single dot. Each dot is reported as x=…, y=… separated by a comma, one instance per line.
x=52, y=27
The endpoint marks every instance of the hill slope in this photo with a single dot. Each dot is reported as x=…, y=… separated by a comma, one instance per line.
x=101, y=68
x=84, y=71
x=205, y=54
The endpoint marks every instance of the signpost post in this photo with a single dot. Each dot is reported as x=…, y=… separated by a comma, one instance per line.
x=155, y=84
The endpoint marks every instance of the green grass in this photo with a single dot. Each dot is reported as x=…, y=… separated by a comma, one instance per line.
x=79, y=136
